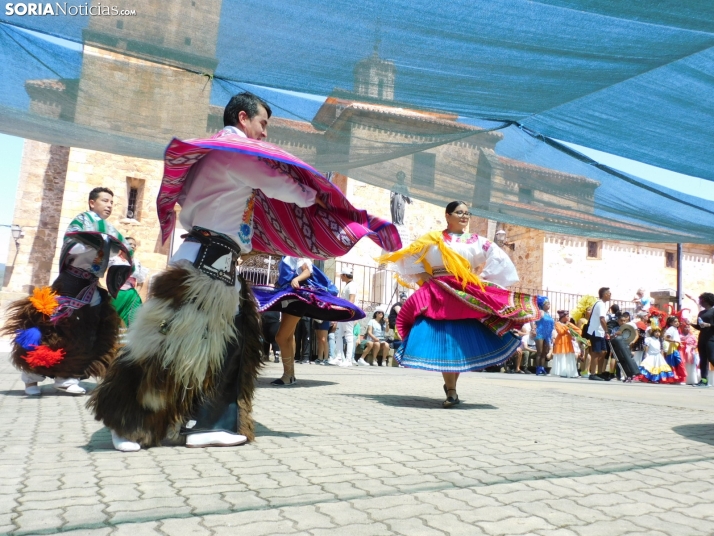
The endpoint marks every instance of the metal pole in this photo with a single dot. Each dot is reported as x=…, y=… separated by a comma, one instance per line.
x=680, y=290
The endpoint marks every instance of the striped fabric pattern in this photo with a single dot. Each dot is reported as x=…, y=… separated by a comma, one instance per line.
x=454, y=346
x=279, y=228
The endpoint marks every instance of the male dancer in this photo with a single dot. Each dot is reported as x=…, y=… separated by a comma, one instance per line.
x=69, y=331
x=193, y=351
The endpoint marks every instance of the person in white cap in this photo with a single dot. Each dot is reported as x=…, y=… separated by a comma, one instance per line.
x=345, y=330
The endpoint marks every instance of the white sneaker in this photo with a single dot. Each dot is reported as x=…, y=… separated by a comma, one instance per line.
x=362, y=362
x=33, y=390
x=334, y=361
x=354, y=362
x=69, y=386
x=214, y=439
x=124, y=445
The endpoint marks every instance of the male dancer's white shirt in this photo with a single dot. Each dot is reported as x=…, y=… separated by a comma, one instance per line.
x=220, y=186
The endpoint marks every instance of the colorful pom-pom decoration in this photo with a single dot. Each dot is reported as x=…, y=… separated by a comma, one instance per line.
x=44, y=357
x=45, y=300
x=29, y=338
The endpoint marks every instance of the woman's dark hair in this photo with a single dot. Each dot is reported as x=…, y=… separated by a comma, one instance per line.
x=243, y=102
x=374, y=316
x=671, y=320
x=452, y=206
x=708, y=298
x=614, y=308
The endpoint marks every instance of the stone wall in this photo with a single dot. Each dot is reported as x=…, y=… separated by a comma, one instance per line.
x=527, y=254
x=89, y=169
x=38, y=203
x=622, y=266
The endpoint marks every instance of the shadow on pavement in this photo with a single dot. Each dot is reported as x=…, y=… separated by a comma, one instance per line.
x=406, y=401
x=100, y=440
x=703, y=433
x=265, y=382
x=264, y=431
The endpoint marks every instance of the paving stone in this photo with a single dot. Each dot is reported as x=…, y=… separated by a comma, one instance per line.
x=347, y=462
x=307, y=518
x=182, y=527
x=137, y=529
x=515, y=525
x=76, y=516
x=31, y=521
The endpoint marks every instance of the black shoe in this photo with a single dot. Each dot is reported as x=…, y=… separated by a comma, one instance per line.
x=596, y=378
x=703, y=383
x=451, y=400
x=280, y=382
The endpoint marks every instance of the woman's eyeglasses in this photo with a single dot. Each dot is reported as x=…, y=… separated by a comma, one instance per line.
x=461, y=213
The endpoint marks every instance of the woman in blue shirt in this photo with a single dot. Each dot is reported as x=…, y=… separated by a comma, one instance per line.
x=544, y=335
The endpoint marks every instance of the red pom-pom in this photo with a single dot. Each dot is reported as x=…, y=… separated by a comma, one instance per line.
x=43, y=356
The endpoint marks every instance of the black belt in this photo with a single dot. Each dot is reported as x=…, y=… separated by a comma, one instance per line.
x=217, y=256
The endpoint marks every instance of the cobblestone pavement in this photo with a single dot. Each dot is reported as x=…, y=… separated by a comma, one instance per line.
x=369, y=451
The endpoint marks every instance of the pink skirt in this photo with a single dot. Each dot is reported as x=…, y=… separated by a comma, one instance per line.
x=443, y=298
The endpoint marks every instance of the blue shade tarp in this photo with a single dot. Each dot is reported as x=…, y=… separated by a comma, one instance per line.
x=461, y=98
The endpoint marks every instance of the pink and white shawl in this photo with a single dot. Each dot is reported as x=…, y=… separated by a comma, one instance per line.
x=279, y=228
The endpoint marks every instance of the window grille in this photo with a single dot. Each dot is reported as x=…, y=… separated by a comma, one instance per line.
x=131, y=204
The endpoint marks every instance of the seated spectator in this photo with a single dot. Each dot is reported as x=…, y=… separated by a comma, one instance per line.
x=377, y=334
x=527, y=349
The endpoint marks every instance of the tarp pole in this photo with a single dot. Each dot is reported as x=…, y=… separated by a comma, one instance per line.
x=680, y=290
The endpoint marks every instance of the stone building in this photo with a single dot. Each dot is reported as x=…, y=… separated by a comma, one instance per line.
x=361, y=135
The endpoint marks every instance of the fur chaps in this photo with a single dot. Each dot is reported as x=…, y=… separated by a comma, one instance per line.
x=174, y=356
x=88, y=337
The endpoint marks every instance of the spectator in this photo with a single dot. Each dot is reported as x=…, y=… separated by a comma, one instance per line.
x=527, y=348
x=321, y=329
x=344, y=336
x=394, y=311
x=654, y=368
x=331, y=345
x=583, y=325
x=638, y=347
x=670, y=346
x=357, y=334
x=690, y=355
x=544, y=335
x=705, y=325
x=376, y=332
x=270, y=324
x=641, y=302
x=362, y=348
x=565, y=362
x=598, y=331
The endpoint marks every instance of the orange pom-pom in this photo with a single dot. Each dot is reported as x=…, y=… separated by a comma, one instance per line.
x=44, y=356
x=45, y=300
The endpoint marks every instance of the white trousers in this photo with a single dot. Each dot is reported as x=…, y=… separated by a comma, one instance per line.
x=31, y=377
x=345, y=332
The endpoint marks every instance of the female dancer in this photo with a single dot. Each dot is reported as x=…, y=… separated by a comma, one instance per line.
x=457, y=322
x=302, y=290
x=565, y=361
x=544, y=335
